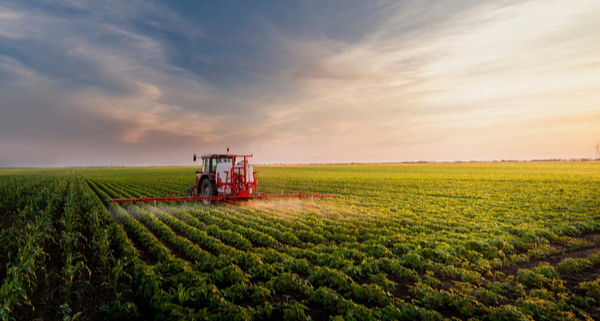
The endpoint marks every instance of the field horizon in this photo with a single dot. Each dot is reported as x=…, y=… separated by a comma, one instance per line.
x=423, y=162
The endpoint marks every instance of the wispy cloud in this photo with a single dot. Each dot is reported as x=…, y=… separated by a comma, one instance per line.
x=477, y=68
x=100, y=81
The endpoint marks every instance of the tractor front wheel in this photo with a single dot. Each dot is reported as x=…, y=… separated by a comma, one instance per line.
x=207, y=190
x=190, y=190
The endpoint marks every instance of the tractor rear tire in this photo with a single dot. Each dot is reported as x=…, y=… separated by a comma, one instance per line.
x=190, y=190
x=208, y=190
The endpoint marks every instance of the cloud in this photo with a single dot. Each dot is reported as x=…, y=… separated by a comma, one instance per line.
x=483, y=54
x=416, y=81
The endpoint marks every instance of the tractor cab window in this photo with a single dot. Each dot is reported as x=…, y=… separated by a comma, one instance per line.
x=205, y=165
x=214, y=161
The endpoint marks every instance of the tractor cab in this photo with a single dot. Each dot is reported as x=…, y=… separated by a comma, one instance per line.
x=210, y=162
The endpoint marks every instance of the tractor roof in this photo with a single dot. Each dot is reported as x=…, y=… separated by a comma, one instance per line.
x=224, y=155
x=215, y=155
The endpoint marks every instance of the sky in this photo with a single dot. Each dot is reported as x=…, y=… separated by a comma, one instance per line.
x=133, y=83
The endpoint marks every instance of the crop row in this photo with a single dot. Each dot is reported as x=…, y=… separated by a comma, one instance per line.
x=57, y=236
x=21, y=271
x=460, y=298
x=235, y=284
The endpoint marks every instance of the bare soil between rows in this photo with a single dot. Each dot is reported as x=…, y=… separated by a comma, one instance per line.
x=554, y=260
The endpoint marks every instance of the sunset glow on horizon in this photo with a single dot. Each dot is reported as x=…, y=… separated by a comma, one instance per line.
x=151, y=83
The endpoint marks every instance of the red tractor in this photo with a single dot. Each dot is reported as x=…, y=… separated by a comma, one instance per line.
x=224, y=176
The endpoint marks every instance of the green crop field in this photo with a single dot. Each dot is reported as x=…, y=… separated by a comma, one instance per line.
x=477, y=241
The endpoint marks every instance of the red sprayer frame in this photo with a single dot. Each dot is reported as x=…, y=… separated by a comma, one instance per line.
x=236, y=180
x=171, y=198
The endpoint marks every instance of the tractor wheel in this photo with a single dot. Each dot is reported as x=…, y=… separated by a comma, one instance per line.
x=190, y=190
x=207, y=190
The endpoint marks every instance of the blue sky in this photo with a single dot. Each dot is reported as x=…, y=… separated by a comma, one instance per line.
x=151, y=83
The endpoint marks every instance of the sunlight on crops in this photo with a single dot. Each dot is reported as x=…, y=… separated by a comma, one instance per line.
x=399, y=242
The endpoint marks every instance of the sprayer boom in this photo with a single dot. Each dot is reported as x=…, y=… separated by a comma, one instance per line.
x=235, y=198
x=224, y=177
